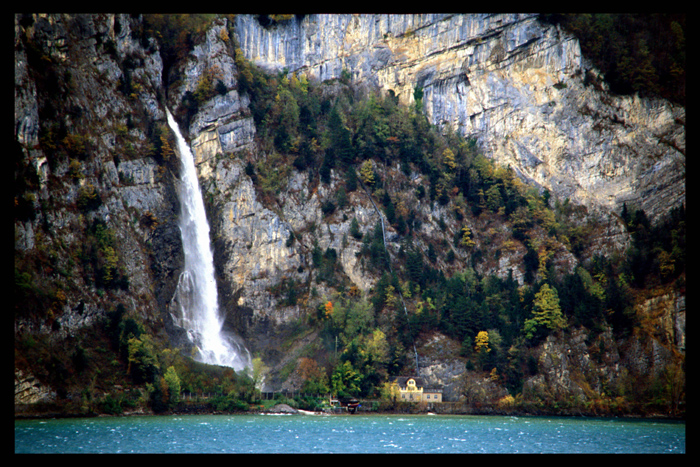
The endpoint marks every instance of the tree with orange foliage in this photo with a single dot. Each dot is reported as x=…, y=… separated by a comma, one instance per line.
x=313, y=376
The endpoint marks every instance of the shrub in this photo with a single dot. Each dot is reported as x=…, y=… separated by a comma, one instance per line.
x=88, y=198
x=355, y=229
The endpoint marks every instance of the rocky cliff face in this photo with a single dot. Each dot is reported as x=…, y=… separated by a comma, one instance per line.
x=96, y=209
x=515, y=85
x=521, y=88
x=86, y=140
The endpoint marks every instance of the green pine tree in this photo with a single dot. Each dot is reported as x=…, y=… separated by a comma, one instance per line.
x=547, y=315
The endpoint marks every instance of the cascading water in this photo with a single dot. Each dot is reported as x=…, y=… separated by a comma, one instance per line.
x=196, y=292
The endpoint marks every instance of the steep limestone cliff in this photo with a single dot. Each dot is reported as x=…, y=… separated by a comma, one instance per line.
x=517, y=86
x=89, y=150
x=96, y=209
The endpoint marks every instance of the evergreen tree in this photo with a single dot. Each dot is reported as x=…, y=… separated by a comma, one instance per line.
x=367, y=173
x=355, y=229
x=351, y=179
x=345, y=381
x=341, y=146
x=547, y=315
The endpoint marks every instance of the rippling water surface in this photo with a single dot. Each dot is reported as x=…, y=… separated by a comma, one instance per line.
x=347, y=434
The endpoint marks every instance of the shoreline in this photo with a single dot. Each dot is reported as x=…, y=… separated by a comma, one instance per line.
x=300, y=412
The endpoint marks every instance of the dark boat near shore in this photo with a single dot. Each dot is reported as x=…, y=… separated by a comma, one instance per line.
x=353, y=405
x=343, y=405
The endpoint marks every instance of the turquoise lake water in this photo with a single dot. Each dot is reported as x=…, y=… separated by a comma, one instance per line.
x=347, y=434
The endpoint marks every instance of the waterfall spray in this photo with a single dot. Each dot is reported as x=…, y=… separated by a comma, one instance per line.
x=196, y=291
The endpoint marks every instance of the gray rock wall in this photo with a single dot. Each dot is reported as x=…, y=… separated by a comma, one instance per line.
x=511, y=82
x=116, y=162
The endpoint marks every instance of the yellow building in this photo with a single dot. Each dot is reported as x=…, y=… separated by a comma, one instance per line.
x=412, y=389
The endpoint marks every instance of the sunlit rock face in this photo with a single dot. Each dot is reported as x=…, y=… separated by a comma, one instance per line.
x=519, y=87
x=515, y=84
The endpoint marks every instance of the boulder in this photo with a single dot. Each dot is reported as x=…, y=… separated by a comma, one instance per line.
x=282, y=409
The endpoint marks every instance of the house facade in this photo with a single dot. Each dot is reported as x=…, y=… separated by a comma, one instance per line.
x=413, y=389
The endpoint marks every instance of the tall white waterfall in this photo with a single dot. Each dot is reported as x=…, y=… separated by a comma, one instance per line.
x=196, y=292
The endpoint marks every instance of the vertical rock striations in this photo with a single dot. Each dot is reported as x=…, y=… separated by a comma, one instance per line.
x=86, y=104
x=90, y=159
x=516, y=85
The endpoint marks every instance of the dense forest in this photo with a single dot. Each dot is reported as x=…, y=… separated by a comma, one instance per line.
x=358, y=133
x=637, y=52
x=318, y=134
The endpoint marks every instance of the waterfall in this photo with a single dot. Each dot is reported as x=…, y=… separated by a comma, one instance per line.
x=196, y=293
